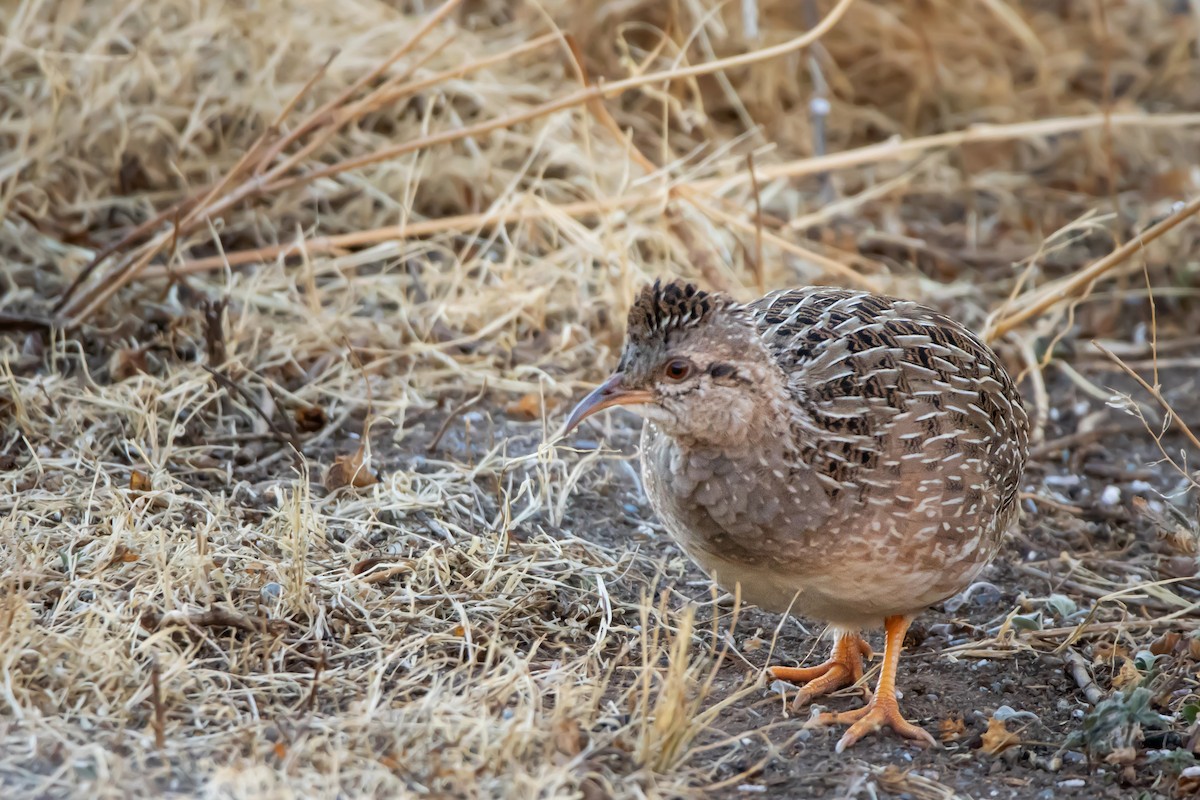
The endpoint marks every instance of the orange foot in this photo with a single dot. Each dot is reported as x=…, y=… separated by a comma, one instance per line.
x=844, y=668
x=882, y=710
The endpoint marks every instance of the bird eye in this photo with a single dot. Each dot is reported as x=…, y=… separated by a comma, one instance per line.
x=677, y=369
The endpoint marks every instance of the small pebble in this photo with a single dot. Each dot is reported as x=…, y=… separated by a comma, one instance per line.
x=981, y=591
x=1072, y=783
x=1062, y=481
x=1110, y=496
x=1004, y=713
x=271, y=591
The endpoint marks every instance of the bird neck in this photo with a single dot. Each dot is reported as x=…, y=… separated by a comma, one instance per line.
x=742, y=433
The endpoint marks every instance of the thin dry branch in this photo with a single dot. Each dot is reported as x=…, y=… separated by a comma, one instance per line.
x=1155, y=392
x=658, y=195
x=587, y=94
x=191, y=212
x=1067, y=288
x=580, y=97
x=183, y=212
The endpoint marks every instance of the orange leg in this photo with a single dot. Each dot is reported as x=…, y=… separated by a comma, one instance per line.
x=882, y=710
x=844, y=668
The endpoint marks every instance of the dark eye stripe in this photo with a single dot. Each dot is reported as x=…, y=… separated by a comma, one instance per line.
x=721, y=370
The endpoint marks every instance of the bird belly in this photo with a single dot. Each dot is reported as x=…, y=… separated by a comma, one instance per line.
x=854, y=596
x=788, y=551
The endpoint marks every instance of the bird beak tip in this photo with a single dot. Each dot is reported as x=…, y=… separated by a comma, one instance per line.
x=608, y=394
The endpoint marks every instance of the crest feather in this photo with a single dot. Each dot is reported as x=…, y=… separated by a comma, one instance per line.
x=662, y=309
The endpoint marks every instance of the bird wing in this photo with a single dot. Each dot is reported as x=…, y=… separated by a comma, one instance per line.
x=891, y=397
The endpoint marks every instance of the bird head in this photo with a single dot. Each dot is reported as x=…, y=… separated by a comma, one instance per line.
x=693, y=364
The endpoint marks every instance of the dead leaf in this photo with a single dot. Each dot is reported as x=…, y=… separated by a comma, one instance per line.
x=952, y=728
x=310, y=419
x=126, y=363
x=1122, y=756
x=121, y=555
x=367, y=563
x=350, y=471
x=1189, y=783
x=281, y=750
x=1127, y=675
x=529, y=406
x=138, y=481
x=1108, y=653
x=219, y=617
x=1165, y=644
x=998, y=738
x=568, y=737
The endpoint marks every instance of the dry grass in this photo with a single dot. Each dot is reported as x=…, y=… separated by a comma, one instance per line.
x=361, y=225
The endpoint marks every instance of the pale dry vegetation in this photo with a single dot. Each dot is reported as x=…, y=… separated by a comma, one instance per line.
x=293, y=295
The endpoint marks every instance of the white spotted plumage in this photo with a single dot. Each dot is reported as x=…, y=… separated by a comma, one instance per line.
x=872, y=469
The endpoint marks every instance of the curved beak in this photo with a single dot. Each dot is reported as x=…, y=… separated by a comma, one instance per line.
x=609, y=393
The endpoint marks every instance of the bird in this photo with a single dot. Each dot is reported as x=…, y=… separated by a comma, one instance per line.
x=837, y=454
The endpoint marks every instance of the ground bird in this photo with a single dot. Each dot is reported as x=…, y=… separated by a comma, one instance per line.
x=850, y=457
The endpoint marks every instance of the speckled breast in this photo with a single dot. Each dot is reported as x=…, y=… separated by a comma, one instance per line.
x=742, y=505
x=747, y=519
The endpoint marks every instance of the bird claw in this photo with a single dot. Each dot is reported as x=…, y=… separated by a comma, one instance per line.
x=871, y=718
x=844, y=668
x=826, y=718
